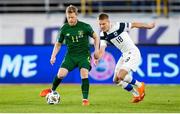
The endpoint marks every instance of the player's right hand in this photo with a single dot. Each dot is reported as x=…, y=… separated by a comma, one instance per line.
x=52, y=60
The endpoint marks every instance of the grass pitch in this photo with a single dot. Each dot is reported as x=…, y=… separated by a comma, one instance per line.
x=103, y=98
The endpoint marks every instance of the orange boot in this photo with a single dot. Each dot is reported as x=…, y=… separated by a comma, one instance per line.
x=141, y=91
x=136, y=99
x=85, y=102
x=44, y=92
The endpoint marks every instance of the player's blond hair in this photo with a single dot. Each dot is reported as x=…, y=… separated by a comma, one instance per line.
x=72, y=9
x=103, y=16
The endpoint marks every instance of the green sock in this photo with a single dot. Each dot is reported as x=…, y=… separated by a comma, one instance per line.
x=85, y=88
x=56, y=82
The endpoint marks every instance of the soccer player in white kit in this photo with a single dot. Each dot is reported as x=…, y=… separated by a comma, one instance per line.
x=117, y=34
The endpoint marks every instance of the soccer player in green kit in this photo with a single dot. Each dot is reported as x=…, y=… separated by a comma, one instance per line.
x=75, y=33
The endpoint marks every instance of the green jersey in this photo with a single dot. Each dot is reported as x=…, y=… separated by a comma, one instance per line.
x=76, y=38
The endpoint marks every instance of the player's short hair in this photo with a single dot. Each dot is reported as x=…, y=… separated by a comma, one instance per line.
x=72, y=9
x=103, y=16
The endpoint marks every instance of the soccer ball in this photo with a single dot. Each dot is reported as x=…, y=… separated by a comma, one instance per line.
x=53, y=98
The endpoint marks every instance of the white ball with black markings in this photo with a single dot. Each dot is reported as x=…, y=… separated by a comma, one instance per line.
x=53, y=98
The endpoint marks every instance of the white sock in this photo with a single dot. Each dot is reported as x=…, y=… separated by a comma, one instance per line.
x=138, y=84
x=124, y=84
x=129, y=79
x=134, y=92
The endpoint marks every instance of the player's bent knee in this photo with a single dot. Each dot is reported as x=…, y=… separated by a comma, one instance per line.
x=115, y=80
x=60, y=77
x=122, y=73
x=62, y=73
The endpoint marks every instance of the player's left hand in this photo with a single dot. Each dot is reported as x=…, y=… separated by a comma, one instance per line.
x=52, y=60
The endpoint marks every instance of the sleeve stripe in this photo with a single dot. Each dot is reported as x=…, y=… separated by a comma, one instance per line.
x=121, y=27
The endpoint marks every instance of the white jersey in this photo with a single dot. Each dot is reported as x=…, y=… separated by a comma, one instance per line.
x=118, y=36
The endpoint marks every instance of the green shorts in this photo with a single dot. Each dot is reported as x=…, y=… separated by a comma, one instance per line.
x=70, y=62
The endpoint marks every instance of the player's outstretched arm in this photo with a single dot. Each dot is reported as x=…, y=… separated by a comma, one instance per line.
x=143, y=25
x=102, y=51
x=56, y=49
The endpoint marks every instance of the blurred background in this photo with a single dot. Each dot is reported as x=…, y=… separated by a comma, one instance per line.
x=29, y=28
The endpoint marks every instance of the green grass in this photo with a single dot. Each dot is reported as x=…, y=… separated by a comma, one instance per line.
x=103, y=98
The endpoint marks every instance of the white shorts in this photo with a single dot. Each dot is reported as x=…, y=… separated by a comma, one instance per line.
x=128, y=61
